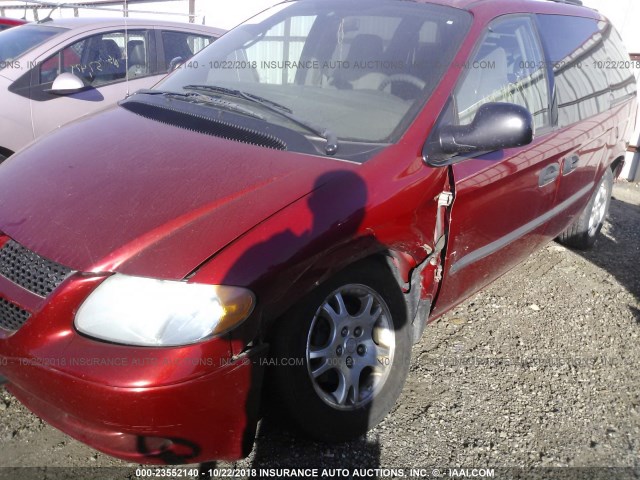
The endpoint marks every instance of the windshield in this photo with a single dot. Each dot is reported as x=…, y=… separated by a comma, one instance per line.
x=359, y=70
x=16, y=41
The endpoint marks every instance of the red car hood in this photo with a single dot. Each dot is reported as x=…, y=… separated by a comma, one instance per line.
x=118, y=192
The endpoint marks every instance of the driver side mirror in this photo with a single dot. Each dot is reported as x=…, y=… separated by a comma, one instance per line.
x=496, y=126
x=67, y=84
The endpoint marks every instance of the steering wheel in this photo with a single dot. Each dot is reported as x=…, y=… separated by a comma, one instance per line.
x=402, y=78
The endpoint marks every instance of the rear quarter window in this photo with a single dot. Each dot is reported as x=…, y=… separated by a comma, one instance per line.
x=619, y=68
x=586, y=64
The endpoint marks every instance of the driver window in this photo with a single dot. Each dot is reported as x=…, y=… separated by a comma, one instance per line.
x=61, y=62
x=101, y=59
x=508, y=67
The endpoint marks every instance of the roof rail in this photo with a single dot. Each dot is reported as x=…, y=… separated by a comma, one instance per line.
x=570, y=2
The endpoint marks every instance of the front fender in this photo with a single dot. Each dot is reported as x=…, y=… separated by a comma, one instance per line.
x=339, y=223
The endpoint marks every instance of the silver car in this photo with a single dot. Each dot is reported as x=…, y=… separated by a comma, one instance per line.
x=56, y=71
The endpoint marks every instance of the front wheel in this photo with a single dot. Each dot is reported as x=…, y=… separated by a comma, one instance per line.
x=583, y=233
x=342, y=354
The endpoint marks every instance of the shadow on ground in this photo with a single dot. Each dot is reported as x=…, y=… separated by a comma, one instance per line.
x=618, y=248
x=277, y=448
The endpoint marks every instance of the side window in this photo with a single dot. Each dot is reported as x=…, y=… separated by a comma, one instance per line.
x=180, y=46
x=101, y=59
x=61, y=62
x=621, y=79
x=138, y=58
x=508, y=67
x=576, y=47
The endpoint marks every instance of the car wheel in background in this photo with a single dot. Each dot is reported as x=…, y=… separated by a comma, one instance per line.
x=583, y=233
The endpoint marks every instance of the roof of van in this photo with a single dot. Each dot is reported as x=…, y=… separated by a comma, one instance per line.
x=499, y=7
x=97, y=22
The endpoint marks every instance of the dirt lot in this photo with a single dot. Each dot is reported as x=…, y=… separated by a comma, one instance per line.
x=541, y=369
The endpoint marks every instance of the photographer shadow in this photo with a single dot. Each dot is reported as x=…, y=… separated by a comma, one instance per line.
x=290, y=263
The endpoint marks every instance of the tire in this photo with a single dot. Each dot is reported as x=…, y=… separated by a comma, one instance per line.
x=583, y=233
x=375, y=336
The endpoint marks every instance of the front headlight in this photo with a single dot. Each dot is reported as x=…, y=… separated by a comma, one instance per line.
x=148, y=312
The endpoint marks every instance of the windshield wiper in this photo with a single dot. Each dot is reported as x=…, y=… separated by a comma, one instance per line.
x=238, y=93
x=331, y=145
x=205, y=99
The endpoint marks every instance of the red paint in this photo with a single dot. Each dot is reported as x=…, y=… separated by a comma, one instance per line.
x=216, y=211
x=10, y=22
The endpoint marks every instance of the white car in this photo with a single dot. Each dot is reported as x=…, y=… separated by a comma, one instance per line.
x=55, y=71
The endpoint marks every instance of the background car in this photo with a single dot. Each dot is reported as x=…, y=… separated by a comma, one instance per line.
x=6, y=23
x=108, y=57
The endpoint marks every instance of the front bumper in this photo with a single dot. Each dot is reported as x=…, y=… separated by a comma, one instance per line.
x=149, y=405
x=212, y=417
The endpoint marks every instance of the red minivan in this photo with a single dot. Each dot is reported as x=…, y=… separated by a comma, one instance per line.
x=288, y=210
x=6, y=23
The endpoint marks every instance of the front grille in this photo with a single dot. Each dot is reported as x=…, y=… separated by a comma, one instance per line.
x=30, y=270
x=12, y=317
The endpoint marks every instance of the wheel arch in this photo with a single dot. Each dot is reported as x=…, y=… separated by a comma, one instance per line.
x=616, y=166
x=394, y=263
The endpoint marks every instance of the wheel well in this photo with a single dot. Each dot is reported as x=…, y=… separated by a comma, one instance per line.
x=616, y=166
x=380, y=259
x=407, y=276
x=397, y=264
x=388, y=262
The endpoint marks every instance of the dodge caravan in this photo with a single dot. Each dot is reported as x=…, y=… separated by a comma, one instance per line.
x=282, y=215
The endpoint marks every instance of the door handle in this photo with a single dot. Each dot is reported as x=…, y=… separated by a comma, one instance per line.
x=569, y=164
x=548, y=174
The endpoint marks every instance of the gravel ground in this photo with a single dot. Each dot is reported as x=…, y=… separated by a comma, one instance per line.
x=540, y=369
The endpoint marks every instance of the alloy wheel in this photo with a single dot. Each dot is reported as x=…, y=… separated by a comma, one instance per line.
x=350, y=347
x=599, y=209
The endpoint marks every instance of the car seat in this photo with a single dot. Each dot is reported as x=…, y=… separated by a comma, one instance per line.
x=137, y=62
